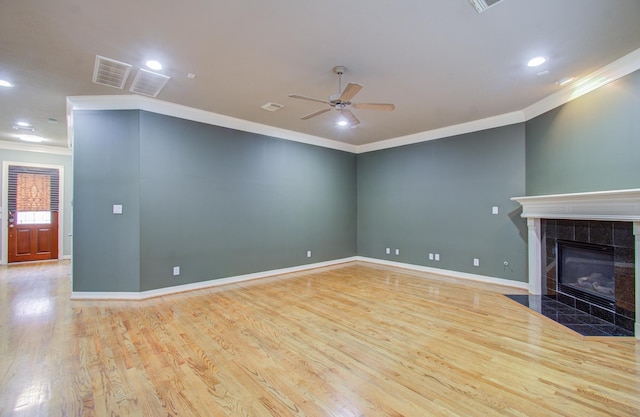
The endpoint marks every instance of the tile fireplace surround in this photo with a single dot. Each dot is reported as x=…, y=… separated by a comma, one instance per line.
x=618, y=205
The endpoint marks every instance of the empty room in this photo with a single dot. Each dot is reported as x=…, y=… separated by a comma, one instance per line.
x=356, y=208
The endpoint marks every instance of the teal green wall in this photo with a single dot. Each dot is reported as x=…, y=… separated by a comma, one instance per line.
x=589, y=144
x=437, y=197
x=47, y=159
x=220, y=202
x=106, y=247
x=217, y=202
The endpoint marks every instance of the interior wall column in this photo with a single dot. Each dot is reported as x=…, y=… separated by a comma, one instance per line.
x=535, y=256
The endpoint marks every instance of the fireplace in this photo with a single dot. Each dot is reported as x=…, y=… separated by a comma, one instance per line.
x=574, y=242
x=586, y=271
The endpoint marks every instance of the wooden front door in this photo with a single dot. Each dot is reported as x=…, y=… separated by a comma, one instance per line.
x=33, y=241
x=33, y=197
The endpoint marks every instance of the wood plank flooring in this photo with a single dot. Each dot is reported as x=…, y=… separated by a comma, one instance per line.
x=352, y=340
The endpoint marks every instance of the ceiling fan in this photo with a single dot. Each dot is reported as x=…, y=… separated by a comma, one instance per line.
x=342, y=101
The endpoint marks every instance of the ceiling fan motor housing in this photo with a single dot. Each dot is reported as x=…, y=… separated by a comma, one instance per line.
x=340, y=69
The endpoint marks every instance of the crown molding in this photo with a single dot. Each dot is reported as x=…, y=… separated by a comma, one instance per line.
x=30, y=147
x=609, y=73
x=135, y=102
x=617, y=69
x=599, y=78
x=459, y=129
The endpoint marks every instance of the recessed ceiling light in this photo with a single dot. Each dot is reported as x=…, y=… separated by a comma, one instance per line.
x=31, y=138
x=154, y=65
x=343, y=123
x=537, y=61
x=4, y=83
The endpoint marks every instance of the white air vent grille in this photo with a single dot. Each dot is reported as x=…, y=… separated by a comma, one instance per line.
x=482, y=5
x=110, y=72
x=148, y=83
x=272, y=106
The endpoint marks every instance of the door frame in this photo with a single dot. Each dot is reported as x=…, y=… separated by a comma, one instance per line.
x=5, y=209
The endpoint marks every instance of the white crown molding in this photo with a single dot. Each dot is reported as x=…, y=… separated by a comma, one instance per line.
x=460, y=129
x=447, y=273
x=135, y=102
x=614, y=71
x=31, y=147
x=615, y=205
x=617, y=69
x=160, y=292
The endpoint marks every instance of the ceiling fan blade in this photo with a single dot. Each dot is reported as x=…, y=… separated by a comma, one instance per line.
x=349, y=91
x=351, y=118
x=314, y=114
x=374, y=106
x=317, y=100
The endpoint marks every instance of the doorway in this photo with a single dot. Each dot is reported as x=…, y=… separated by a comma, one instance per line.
x=33, y=212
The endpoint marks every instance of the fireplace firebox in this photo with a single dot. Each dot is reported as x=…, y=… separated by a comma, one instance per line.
x=586, y=271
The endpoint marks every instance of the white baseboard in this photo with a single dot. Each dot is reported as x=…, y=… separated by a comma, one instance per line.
x=448, y=273
x=143, y=295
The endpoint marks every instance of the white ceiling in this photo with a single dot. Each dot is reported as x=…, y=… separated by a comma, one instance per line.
x=440, y=62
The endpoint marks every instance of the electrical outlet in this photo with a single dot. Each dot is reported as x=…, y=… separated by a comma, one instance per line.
x=176, y=270
x=397, y=252
x=431, y=256
x=437, y=256
x=308, y=254
x=476, y=262
x=494, y=210
x=388, y=251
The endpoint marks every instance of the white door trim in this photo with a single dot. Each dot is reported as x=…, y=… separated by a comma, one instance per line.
x=5, y=209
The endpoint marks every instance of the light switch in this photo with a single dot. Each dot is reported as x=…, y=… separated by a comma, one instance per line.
x=117, y=209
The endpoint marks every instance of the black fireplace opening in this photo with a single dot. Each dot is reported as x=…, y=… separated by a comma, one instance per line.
x=586, y=271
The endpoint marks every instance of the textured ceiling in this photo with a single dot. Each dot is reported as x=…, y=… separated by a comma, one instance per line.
x=440, y=62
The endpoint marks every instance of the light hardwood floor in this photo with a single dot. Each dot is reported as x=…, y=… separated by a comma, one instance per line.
x=354, y=340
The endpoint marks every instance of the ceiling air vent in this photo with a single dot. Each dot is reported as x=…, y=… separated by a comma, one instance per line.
x=272, y=106
x=482, y=5
x=148, y=83
x=110, y=72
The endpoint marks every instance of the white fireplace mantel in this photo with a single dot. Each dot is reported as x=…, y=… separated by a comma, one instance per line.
x=616, y=205
x=619, y=205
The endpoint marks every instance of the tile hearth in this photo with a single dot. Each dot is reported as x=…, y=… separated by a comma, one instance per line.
x=570, y=317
